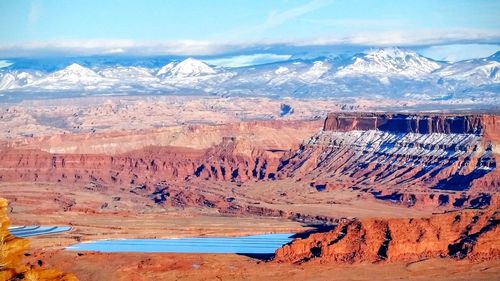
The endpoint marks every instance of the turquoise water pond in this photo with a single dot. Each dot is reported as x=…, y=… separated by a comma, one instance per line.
x=254, y=244
x=35, y=230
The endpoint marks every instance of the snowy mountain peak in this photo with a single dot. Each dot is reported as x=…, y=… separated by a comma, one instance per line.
x=7, y=81
x=77, y=69
x=389, y=53
x=390, y=61
x=316, y=71
x=281, y=70
x=68, y=77
x=165, y=69
x=476, y=72
x=15, y=79
x=191, y=67
x=74, y=72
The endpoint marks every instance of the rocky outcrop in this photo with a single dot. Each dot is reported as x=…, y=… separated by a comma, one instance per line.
x=395, y=150
x=465, y=234
x=239, y=160
x=11, y=254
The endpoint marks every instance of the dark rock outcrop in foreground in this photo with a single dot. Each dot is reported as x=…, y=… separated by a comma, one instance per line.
x=11, y=252
x=467, y=234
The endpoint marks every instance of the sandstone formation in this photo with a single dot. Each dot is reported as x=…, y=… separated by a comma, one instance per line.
x=415, y=160
x=11, y=252
x=406, y=123
x=396, y=150
x=466, y=234
x=232, y=152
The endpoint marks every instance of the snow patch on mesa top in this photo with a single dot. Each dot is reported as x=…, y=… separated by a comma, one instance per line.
x=189, y=67
x=389, y=62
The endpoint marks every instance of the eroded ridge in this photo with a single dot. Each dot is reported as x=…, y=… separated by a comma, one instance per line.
x=467, y=234
x=433, y=151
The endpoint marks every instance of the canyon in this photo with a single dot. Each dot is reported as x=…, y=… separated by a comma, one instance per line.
x=438, y=160
x=359, y=188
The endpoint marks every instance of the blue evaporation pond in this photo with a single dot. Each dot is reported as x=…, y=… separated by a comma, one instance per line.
x=35, y=230
x=255, y=244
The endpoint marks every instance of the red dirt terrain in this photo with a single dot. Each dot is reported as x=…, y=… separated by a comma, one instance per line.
x=388, y=188
x=468, y=234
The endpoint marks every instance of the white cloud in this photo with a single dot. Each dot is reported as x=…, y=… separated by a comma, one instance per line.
x=106, y=46
x=410, y=38
x=219, y=47
x=114, y=51
x=246, y=60
x=458, y=52
x=275, y=19
x=34, y=12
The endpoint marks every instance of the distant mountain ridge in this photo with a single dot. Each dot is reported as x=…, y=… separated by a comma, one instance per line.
x=390, y=61
x=392, y=73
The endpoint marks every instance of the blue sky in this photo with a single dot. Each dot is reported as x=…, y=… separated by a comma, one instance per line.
x=218, y=26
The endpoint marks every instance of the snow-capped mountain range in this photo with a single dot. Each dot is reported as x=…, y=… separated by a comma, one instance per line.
x=389, y=61
x=379, y=73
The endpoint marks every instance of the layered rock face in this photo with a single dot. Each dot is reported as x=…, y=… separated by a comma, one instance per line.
x=405, y=123
x=231, y=160
x=11, y=253
x=429, y=151
x=233, y=152
x=386, y=155
x=466, y=234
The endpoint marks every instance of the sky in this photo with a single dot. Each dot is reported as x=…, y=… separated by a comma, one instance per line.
x=202, y=27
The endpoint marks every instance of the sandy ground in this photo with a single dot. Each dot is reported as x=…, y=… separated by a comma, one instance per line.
x=138, y=267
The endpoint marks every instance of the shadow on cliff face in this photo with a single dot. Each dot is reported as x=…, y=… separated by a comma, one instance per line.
x=459, y=182
x=315, y=228
x=262, y=257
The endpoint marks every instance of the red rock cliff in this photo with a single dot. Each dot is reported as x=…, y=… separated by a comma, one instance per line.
x=466, y=234
x=410, y=123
